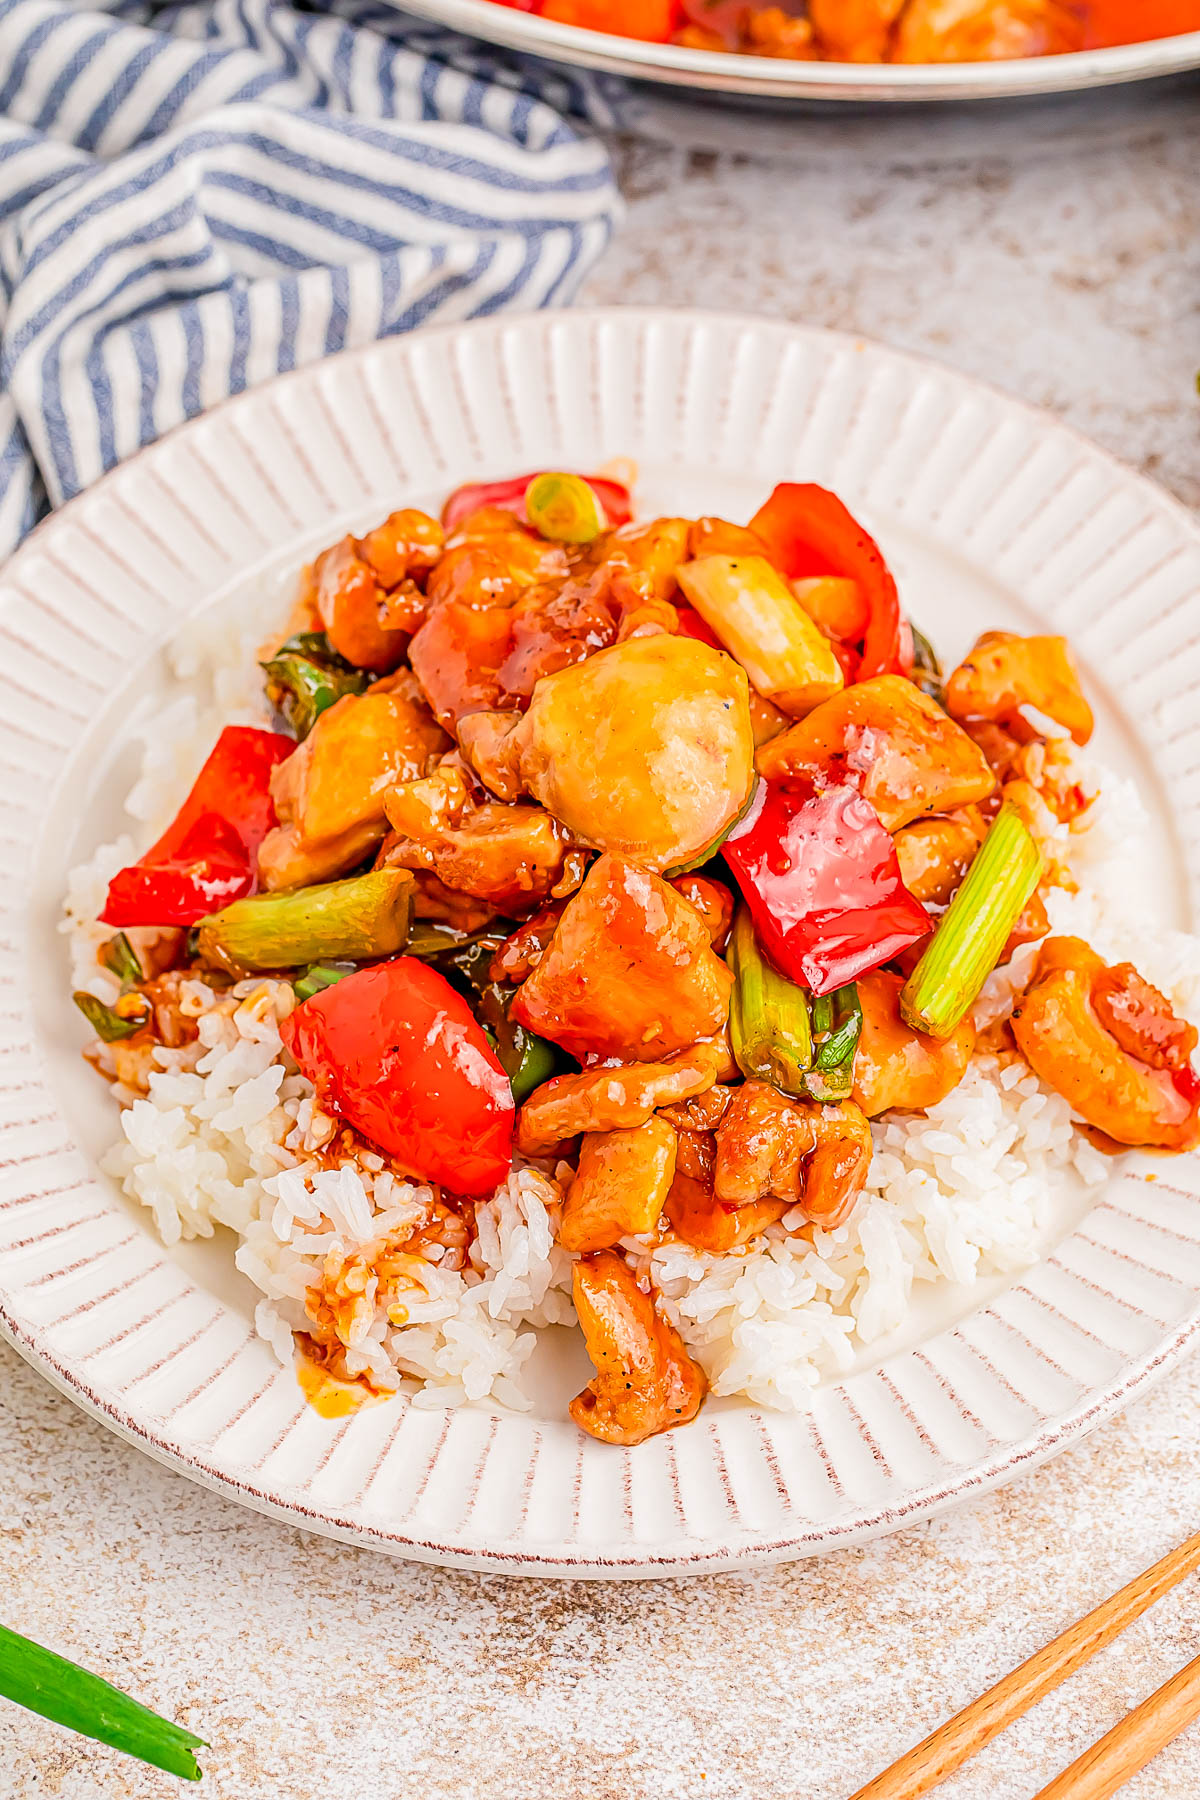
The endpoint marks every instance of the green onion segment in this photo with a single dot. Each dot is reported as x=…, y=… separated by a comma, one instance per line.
x=974, y=928
x=564, y=508
x=768, y=1015
x=68, y=1695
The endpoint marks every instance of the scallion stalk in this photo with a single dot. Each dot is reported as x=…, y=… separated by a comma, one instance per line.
x=564, y=508
x=306, y=676
x=837, y=1026
x=67, y=1695
x=537, y=1063
x=109, y=1025
x=359, y=920
x=320, y=976
x=842, y=1042
x=768, y=1015
x=121, y=959
x=974, y=928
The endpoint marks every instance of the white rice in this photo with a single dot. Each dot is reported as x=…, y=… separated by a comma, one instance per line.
x=228, y=1136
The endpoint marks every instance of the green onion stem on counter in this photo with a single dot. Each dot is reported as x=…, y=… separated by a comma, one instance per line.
x=67, y=1695
x=360, y=919
x=768, y=1015
x=974, y=928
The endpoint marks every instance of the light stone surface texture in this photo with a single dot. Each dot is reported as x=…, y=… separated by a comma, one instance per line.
x=1057, y=255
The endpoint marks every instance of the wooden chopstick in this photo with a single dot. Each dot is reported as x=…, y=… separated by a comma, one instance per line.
x=1128, y=1747
x=947, y=1748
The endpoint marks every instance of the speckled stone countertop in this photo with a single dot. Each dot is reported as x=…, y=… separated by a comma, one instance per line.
x=1058, y=256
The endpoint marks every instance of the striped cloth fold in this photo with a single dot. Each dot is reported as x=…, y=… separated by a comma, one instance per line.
x=195, y=197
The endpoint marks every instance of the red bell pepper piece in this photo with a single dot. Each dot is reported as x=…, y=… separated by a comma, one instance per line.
x=613, y=497
x=208, y=856
x=808, y=531
x=822, y=881
x=397, y=1053
x=693, y=626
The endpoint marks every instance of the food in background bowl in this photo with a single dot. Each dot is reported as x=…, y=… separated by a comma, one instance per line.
x=625, y=922
x=875, y=31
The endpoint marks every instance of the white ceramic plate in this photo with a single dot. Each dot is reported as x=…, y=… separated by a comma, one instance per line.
x=860, y=83
x=992, y=515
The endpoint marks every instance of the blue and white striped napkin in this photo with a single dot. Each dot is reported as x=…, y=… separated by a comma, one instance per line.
x=193, y=197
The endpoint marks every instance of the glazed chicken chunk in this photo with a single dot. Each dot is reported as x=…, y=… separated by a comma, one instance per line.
x=329, y=794
x=645, y=1381
x=906, y=755
x=630, y=972
x=1112, y=1045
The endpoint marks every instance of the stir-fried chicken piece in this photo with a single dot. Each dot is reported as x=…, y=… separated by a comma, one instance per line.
x=907, y=756
x=795, y=1150
x=854, y=30
x=612, y=1099
x=512, y=857
x=553, y=628
x=696, y=1215
x=440, y=905
x=457, y=656
x=941, y=31
x=492, y=560
x=718, y=537
x=639, y=563
x=644, y=749
x=1112, y=1045
x=696, y=1154
x=620, y=1186
x=1005, y=673
x=645, y=1381
x=329, y=793
x=365, y=592
x=897, y=1066
x=837, y=1169
x=773, y=31
x=520, y=954
x=702, y=1112
x=629, y=973
x=936, y=853
x=712, y=900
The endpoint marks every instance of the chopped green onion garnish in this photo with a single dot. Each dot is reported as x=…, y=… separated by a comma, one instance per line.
x=429, y=937
x=842, y=1042
x=306, y=676
x=927, y=670
x=108, y=1025
x=564, y=508
x=68, y=1695
x=768, y=1015
x=974, y=928
x=837, y=1027
x=121, y=959
x=320, y=976
x=537, y=1064
x=360, y=919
